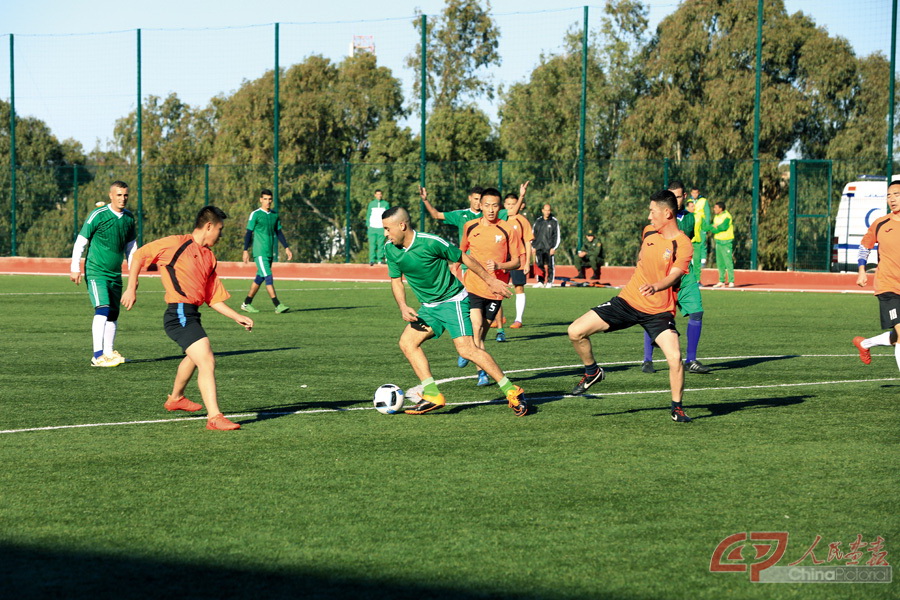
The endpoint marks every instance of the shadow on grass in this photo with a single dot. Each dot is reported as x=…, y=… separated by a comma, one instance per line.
x=299, y=310
x=718, y=409
x=748, y=362
x=39, y=573
x=218, y=354
x=285, y=410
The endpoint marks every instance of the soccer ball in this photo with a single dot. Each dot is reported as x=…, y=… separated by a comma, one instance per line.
x=388, y=399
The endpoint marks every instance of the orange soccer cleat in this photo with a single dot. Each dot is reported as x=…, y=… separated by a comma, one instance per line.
x=221, y=423
x=181, y=404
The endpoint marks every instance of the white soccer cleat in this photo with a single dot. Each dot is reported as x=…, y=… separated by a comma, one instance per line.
x=105, y=361
x=415, y=394
x=114, y=355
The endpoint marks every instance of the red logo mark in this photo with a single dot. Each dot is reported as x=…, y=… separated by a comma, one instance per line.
x=732, y=549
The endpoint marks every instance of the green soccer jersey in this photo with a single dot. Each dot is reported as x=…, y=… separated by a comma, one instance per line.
x=108, y=232
x=425, y=266
x=460, y=218
x=265, y=225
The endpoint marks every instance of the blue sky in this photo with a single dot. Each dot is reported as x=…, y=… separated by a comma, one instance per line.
x=79, y=83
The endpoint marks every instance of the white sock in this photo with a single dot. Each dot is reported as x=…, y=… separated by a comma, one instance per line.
x=109, y=336
x=883, y=339
x=97, y=328
x=520, y=306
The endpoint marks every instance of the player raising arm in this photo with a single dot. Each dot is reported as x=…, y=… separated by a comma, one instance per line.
x=188, y=273
x=424, y=260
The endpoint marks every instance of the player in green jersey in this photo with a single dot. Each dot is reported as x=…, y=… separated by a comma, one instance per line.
x=689, y=301
x=375, y=231
x=424, y=260
x=263, y=229
x=110, y=231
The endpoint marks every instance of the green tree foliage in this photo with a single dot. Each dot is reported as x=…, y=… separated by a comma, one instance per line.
x=44, y=180
x=461, y=43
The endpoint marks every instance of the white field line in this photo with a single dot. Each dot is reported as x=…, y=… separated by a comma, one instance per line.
x=485, y=402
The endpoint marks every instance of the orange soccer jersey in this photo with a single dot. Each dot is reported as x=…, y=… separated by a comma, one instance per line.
x=524, y=226
x=886, y=233
x=657, y=259
x=187, y=269
x=493, y=241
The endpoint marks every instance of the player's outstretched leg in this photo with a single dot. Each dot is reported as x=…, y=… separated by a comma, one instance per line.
x=580, y=332
x=515, y=396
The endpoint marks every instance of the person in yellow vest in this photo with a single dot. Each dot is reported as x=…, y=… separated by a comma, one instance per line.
x=701, y=226
x=723, y=233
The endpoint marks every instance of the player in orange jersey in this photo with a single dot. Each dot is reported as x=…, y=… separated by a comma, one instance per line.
x=886, y=233
x=187, y=268
x=647, y=300
x=498, y=246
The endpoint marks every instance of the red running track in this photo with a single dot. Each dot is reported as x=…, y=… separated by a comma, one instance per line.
x=612, y=276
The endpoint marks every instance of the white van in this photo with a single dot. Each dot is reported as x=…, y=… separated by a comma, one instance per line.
x=862, y=202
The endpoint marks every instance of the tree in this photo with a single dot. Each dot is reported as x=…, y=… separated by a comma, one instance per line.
x=44, y=176
x=460, y=44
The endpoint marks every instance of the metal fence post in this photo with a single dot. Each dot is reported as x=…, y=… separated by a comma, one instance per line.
x=754, y=228
x=890, y=135
x=581, y=135
x=792, y=217
x=277, y=121
x=75, y=202
x=140, y=166
x=12, y=146
x=347, y=211
x=206, y=185
x=423, y=99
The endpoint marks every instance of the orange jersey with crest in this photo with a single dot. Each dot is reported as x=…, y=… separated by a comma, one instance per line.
x=187, y=270
x=885, y=232
x=524, y=226
x=490, y=241
x=657, y=259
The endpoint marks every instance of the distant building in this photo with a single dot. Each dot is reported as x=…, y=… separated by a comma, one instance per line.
x=362, y=44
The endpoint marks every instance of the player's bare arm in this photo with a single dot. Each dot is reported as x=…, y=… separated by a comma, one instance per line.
x=407, y=312
x=648, y=289
x=224, y=309
x=435, y=213
x=495, y=285
x=129, y=296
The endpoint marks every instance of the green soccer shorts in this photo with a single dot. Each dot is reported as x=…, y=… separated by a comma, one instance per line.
x=263, y=266
x=104, y=292
x=689, y=300
x=452, y=316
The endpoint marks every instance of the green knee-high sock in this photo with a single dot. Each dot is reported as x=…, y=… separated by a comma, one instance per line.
x=430, y=387
x=505, y=384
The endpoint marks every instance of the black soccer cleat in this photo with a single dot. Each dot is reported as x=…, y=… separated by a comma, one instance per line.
x=587, y=381
x=647, y=367
x=678, y=415
x=695, y=366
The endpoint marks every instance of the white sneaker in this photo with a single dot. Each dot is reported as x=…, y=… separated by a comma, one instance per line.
x=719, y=285
x=414, y=394
x=731, y=284
x=105, y=361
x=537, y=285
x=548, y=285
x=116, y=357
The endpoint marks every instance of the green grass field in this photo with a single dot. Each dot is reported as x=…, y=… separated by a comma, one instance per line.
x=319, y=496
